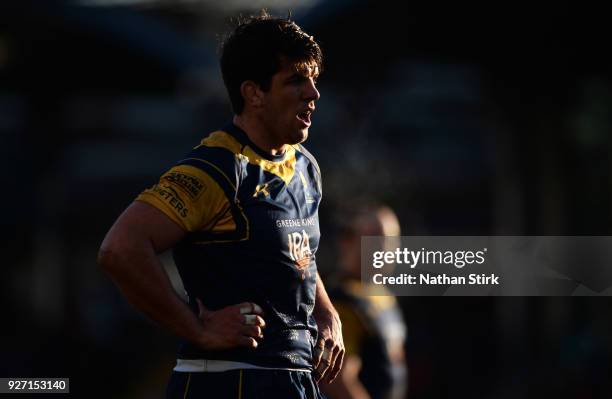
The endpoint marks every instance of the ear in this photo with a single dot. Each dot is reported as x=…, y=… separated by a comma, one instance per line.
x=252, y=94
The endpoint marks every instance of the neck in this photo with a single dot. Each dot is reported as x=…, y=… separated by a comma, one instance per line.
x=258, y=134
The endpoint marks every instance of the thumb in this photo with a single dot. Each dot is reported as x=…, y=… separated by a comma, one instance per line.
x=202, y=311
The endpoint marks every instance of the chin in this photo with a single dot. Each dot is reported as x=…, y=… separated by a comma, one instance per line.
x=303, y=135
x=298, y=137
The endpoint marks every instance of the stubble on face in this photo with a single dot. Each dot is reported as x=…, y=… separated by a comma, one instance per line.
x=290, y=102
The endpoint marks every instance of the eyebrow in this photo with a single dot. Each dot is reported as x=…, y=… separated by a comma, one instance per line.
x=307, y=69
x=299, y=76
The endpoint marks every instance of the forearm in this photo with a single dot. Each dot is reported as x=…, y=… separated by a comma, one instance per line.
x=323, y=305
x=329, y=350
x=140, y=276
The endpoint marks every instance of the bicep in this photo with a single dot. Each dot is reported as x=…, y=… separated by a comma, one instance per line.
x=143, y=223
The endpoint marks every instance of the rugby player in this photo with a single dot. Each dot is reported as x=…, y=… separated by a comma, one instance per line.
x=374, y=329
x=240, y=212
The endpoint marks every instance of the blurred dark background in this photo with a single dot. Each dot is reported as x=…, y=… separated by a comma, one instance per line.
x=467, y=120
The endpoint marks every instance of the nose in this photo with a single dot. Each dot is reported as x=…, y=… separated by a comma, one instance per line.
x=310, y=92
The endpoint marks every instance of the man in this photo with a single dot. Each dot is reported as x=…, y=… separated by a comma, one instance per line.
x=374, y=330
x=241, y=214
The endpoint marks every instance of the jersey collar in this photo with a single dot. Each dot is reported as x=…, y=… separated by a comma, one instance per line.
x=243, y=138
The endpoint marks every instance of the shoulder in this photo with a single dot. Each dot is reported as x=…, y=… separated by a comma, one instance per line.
x=219, y=146
x=216, y=155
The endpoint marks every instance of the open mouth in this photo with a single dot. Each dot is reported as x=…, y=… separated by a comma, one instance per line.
x=304, y=117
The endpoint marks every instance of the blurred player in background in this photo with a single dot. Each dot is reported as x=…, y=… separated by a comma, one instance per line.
x=240, y=212
x=373, y=327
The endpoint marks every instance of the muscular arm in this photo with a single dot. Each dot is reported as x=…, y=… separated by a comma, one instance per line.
x=324, y=309
x=329, y=351
x=129, y=256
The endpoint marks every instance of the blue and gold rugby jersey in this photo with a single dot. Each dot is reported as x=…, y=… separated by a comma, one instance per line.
x=253, y=231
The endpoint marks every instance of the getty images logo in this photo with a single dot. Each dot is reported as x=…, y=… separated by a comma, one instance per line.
x=426, y=257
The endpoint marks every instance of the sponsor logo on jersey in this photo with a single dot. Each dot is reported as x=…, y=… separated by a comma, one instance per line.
x=303, y=222
x=171, y=196
x=191, y=185
x=299, y=251
x=261, y=189
x=309, y=199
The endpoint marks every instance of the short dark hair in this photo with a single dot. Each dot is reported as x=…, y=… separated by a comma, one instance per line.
x=255, y=49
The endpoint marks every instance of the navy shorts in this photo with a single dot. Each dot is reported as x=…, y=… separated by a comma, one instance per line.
x=243, y=384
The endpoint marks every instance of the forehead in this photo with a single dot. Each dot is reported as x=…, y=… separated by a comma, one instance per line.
x=307, y=68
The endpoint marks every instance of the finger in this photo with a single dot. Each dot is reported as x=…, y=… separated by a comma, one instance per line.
x=202, y=311
x=325, y=360
x=250, y=307
x=337, y=366
x=252, y=331
x=254, y=320
x=332, y=361
x=249, y=342
x=317, y=352
x=324, y=364
x=259, y=321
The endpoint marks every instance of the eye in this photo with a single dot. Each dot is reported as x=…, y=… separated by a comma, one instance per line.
x=296, y=79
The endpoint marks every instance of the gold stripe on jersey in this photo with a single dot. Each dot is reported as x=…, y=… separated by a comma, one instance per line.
x=240, y=386
x=284, y=169
x=180, y=194
x=223, y=140
x=187, y=386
